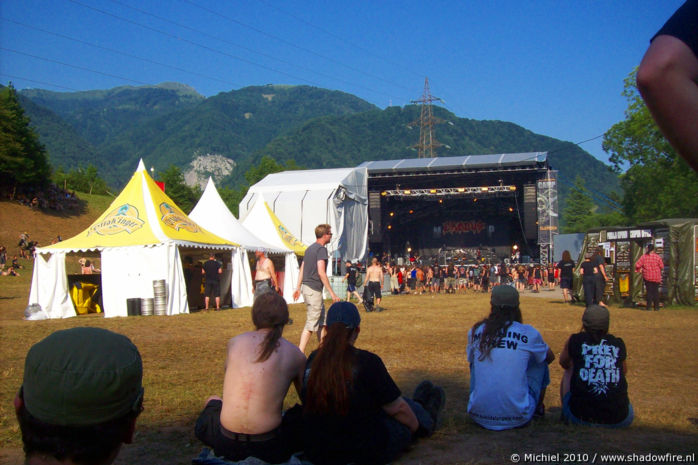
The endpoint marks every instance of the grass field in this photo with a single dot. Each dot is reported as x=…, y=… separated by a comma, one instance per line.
x=417, y=337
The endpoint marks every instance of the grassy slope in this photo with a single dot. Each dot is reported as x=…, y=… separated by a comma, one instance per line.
x=418, y=337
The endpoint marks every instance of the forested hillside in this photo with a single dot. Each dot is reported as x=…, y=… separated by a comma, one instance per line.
x=171, y=124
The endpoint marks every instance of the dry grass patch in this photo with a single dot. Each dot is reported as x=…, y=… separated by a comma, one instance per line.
x=417, y=337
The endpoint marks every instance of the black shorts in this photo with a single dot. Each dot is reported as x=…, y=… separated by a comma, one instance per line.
x=275, y=446
x=566, y=283
x=374, y=288
x=212, y=289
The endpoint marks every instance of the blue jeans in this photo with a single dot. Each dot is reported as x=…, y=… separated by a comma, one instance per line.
x=400, y=436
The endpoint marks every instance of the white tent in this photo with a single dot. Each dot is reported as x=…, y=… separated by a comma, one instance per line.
x=303, y=199
x=212, y=213
x=139, y=237
x=270, y=229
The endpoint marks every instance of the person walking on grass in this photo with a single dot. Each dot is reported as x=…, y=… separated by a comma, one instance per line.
x=508, y=366
x=566, y=267
x=265, y=275
x=374, y=282
x=313, y=277
x=351, y=278
x=594, y=390
x=651, y=265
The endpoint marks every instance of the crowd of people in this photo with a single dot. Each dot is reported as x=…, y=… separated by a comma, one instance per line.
x=459, y=278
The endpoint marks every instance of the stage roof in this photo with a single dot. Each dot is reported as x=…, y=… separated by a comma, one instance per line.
x=503, y=161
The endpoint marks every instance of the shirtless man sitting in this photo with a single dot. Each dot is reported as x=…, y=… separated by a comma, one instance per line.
x=259, y=369
x=265, y=275
x=374, y=281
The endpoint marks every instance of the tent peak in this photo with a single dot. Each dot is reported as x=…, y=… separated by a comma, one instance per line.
x=141, y=165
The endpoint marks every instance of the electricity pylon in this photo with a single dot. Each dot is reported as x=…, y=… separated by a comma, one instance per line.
x=427, y=142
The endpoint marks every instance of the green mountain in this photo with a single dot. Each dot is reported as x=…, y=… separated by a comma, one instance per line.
x=100, y=115
x=232, y=124
x=317, y=128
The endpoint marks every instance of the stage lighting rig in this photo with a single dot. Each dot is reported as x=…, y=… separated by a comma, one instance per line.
x=449, y=191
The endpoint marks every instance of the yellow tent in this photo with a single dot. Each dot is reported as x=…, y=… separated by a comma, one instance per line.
x=138, y=236
x=142, y=214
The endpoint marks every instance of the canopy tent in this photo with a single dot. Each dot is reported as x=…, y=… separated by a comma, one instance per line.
x=303, y=199
x=139, y=237
x=270, y=229
x=674, y=239
x=212, y=213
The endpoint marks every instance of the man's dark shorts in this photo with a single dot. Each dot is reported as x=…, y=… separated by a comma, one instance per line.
x=374, y=287
x=565, y=283
x=212, y=289
x=274, y=447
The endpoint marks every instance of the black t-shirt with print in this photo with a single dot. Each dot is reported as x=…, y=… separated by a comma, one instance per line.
x=599, y=390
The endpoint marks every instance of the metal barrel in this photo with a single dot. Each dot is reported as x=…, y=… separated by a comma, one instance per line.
x=160, y=297
x=147, y=307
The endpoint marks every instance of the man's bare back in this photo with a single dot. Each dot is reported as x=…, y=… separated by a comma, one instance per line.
x=264, y=269
x=374, y=273
x=253, y=392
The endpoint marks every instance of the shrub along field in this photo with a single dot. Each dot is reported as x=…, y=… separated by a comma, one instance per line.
x=417, y=337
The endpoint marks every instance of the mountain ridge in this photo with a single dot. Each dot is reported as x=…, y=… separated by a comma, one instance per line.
x=171, y=123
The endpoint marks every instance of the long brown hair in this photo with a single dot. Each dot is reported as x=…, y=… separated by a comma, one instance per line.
x=269, y=311
x=331, y=373
x=496, y=326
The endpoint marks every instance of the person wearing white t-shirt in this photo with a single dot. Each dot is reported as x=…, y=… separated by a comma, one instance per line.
x=508, y=366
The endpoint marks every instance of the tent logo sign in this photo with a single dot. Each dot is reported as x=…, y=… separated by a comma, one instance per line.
x=175, y=219
x=123, y=218
x=289, y=238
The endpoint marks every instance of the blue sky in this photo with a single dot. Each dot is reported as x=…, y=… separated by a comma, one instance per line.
x=553, y=67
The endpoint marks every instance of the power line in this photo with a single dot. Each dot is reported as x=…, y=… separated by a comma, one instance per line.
x=243, y=47
x=191, y=42
x=147, y=60
x=75, y=66
x=12, y=76
x=342, y=39
x=284, y=41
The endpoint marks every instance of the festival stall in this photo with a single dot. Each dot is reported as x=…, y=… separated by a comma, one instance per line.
x=267, y=226
x=212, y=213
x=675, y=240
x=139, y=238
x=306, y=198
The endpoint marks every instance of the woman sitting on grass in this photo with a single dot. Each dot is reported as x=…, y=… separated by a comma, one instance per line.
x=352, y=410
x=594, y=390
